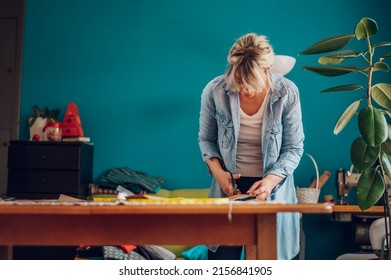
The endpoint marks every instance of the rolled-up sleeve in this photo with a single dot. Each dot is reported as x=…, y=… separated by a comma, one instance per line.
x=208, y=130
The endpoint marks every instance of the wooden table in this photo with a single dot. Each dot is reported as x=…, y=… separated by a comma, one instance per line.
x=249, y=224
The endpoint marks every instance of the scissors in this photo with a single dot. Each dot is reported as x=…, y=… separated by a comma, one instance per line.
x=234, y=185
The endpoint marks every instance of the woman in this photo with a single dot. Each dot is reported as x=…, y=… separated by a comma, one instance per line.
x=251, y=132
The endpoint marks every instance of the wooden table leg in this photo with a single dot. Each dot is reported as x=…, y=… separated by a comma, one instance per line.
x=251, y=252
x=267, y=237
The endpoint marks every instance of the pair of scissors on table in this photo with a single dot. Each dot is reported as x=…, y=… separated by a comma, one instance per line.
x=234, y=185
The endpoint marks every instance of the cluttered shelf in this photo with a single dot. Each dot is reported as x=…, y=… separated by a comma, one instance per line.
x=356, y=209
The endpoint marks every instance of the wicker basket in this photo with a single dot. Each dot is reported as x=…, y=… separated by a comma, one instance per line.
x=307, y=195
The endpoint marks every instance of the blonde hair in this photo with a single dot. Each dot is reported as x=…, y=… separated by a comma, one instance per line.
x=250, y=59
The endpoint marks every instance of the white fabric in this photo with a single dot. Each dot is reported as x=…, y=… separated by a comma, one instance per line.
x=377, y=233
x=249, y=161
x=358, y=256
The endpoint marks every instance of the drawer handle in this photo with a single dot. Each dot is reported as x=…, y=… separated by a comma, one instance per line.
x=43, y=157
x=43, y=180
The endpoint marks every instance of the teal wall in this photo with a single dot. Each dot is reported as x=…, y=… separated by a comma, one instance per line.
x=136, y=70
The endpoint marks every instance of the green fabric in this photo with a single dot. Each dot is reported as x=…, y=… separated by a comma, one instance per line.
x=135, y=181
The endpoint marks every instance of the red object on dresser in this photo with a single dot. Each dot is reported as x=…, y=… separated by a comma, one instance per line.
x=71, y=125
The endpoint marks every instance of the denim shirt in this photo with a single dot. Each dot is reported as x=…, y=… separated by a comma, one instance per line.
x=282, y=145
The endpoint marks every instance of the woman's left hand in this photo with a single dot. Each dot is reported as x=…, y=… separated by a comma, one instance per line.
x=263, y=188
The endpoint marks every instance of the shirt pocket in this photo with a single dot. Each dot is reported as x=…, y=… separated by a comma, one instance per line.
x=275, y=140
x=225, y=130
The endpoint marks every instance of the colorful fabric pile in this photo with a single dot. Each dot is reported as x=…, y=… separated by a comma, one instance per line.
x=124, y=252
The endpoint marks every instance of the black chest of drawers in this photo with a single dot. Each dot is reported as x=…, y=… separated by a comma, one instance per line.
x=44, y=170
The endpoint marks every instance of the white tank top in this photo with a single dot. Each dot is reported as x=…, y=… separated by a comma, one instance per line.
x=249, y=159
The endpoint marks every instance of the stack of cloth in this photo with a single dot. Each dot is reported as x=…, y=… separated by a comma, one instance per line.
x=124, y=252
x=135, y=181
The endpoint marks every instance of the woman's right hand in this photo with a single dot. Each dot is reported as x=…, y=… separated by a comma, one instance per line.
x=224, y=180
x=222, y=177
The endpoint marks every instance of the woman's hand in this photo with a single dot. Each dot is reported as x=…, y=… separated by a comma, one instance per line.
x=263, y=188
x=224, y=180
x=222, y=177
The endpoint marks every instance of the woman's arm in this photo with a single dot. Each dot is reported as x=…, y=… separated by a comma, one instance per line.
x=207, y=134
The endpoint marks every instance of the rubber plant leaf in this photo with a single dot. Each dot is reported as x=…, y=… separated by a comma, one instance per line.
x=329, y=44
x=362, y=155
x=370, y=188
x=372, y=125
x=346, y=116
x=364, y=68
x=338, y=57
x=386, y=147
x=381, y=93
x=350, y=87
x=386, y=161
x=387, y=55
x=381, y=66
x=330, y=60
x=365, y=28
x=382, y=44
x=331, y=70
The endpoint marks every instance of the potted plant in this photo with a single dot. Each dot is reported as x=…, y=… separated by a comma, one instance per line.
x=370, y=153
x=39, y=120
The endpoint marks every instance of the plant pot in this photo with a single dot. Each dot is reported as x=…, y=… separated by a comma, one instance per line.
x=37, y=128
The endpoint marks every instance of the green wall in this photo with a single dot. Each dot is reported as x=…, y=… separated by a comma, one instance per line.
x=136, y=70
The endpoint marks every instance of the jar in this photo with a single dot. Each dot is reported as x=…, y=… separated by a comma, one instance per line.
x=53, y=131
